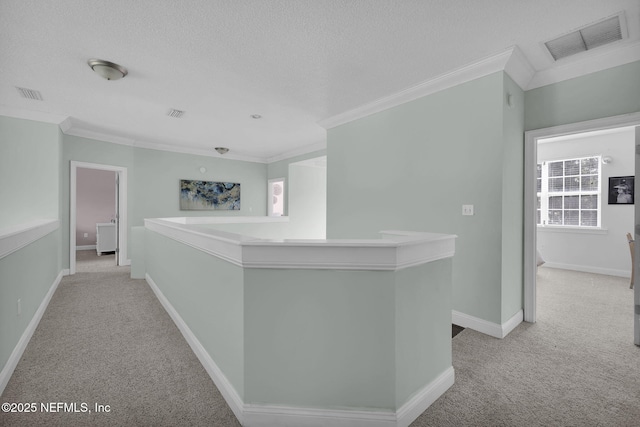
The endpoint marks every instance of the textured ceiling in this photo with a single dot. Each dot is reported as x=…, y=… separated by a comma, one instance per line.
x=295, y=62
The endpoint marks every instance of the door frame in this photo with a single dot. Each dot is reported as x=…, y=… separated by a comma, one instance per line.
x=121, y=173
x=530, y=161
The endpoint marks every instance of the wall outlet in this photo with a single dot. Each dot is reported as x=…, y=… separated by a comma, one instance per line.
x=467, y=209
x=19, y=307
x=86, y=235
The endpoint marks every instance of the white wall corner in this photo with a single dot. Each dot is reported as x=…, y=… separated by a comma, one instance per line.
x=419, y=403
x=512, y=323
x=66, y=124
x=16, y=354
x=488, y=328
x=519, y=68
x=477, y=324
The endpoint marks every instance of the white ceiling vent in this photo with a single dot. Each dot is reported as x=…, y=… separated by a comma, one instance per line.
x=30, y=93
x=175, y=113
x=601, y=33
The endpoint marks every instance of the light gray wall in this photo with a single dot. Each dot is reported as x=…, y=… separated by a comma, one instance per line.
x=308, y=205
x=154, y=178
x=606, y=93
x=30, y=176
x=29, y=171
x=412, y=167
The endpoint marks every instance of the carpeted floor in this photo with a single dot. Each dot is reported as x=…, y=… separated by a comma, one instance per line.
x=577, y=366
x=106, y=339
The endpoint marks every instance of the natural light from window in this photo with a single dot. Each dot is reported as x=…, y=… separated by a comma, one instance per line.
x=569, y=192
x=275, y=197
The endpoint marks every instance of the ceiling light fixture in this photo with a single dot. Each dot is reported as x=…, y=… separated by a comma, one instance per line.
x=108, y=70
x=222, y=150
x=256, y=116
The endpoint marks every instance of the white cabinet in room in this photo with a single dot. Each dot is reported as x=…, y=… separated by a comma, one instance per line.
x=105, y=237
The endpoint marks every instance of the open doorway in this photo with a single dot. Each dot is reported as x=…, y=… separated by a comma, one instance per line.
x=100, y=222
x=532, y=139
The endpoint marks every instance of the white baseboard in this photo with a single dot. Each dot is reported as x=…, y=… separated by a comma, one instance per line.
x=589, y=269
x=86, y=248
x=425, y=398
x=251, y=415
x=272, y=416
x=16, y=354
x=489, y=328
x=226, y=389
x=284, y=416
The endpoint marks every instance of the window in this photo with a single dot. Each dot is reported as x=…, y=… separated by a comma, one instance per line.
x=569, y=192
x=275, y=197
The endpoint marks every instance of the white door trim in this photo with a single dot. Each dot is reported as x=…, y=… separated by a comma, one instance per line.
x=122, y=236
x=530, y=160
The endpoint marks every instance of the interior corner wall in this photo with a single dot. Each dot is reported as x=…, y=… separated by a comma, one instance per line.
x=512, y=200
x=308, y=205
x=154, y=180
x=607, y=93
x=280, y=169
x=412, y=167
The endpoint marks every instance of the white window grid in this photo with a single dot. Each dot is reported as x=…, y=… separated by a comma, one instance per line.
x=570, y=192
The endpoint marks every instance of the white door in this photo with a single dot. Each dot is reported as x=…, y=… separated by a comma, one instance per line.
x=636, y=284
x=117, y=217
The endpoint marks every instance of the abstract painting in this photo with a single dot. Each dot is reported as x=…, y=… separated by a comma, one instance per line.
x=209, y=195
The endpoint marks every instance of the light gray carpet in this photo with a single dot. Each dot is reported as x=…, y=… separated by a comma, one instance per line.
x=106, y=339
x=577, y=366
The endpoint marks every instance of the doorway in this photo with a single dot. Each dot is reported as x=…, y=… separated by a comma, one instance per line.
x=531, y=202
x=119, y=217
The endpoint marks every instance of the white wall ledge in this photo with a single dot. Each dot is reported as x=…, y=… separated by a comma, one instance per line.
x=396, y=250
x=15, y=238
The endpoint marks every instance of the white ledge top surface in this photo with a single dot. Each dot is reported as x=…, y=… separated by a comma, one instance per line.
x=395, y=250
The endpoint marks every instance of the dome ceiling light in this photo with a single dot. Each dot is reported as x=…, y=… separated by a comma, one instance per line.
x=222, y=150
x=108, y=70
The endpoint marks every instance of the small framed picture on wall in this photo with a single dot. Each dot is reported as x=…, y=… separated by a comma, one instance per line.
x=621, y=190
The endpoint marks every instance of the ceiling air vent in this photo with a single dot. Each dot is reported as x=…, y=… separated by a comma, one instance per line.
x=587, y=38
x=175, y=113
x=30, y=93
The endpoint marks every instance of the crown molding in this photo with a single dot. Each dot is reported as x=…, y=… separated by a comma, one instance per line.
x=519, y=68
x=456, y=77
x=74, y=129
x=318, y=146
x=38, y=116
x=197, y=151
x=591, y=62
